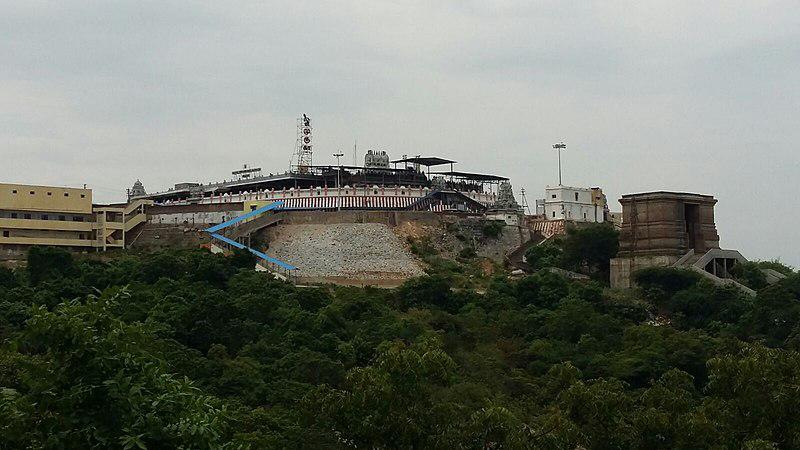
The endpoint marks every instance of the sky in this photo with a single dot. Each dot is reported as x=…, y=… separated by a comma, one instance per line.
x=695, y=96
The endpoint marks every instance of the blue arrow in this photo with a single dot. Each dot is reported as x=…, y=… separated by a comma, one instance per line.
x=215, y=228
x=253, y=251
x=235, y=220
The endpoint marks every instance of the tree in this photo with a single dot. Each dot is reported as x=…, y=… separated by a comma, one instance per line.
x=390, y=404
x=590, y=247
x=8, y=278
x=755, y=396
x=84, y=379
x=546, y=254
x=48, y=263
x=775, y=312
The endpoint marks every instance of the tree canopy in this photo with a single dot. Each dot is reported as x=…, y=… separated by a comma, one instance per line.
x=186, y=349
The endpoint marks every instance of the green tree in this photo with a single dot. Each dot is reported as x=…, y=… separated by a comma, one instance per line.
x=390, y=404
x=754, y=396
x=546, y=254
x=48, y=263
x=590, y=247
x=83, y=379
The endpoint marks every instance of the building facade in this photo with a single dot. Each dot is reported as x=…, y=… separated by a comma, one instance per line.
x=659, y=229
x=64, y=217
x=573, y=204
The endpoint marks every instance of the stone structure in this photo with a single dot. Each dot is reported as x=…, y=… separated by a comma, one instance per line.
x=137, y=190
x=506, y=207
x=661, y=228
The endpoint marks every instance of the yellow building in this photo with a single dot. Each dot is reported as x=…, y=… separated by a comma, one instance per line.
x=65, y=217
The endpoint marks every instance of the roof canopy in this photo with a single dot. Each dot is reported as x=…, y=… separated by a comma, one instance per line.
x=473, y=176
x=425, y=161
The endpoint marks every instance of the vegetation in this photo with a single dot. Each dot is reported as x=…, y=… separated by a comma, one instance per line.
x=185, y=349
x=494, y=228
x=586, y=249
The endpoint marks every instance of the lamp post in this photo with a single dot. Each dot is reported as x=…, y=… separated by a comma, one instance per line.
x=338, y=186
x=558, y=147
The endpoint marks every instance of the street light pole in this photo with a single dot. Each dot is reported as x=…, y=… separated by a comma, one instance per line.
x=338, y=185
x=558, y=147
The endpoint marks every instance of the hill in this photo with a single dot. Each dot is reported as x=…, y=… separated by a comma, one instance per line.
x=186, y=348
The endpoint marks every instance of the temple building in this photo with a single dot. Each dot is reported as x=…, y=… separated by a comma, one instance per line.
x=672, y=229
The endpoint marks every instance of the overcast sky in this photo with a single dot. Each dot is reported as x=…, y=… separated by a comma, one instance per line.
x=696, y=96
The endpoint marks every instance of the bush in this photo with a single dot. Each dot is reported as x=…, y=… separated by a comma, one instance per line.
x=749, y=274
x=589, y=248
x=48, y=263
x=467, y=253
x=493, y=229
x=663, y=282
x=546, y=254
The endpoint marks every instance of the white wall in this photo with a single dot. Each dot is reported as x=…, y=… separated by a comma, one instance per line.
x=192, y=218
x=571, y=203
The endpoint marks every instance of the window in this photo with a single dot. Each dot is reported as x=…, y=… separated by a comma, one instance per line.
x=6, y=234
x=554, y=213
x=252, y=207
x=26, y=216
x=33, y=192
x=62, y=218
x=14, y=191
x=576, y=196
x=584, y=215
x=553, y=196
x=45, y=217
x=83, y=195
x=66, y=194
x=50, y=193
x=77, y=219
x=13, y=215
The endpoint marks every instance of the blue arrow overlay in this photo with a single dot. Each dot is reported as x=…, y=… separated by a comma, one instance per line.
x=213, y=231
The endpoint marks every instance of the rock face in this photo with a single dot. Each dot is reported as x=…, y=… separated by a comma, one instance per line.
x=361, y=252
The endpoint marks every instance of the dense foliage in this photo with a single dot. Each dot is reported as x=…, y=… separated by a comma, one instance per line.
x=185, y=349
x=587, y=248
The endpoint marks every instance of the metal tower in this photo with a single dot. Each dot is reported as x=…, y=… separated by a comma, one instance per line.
x=525, y=202
x=303, y=148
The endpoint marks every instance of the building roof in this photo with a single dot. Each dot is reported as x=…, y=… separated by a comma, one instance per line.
x=472, y=176
x=426, y=161
x=573, y=188
x=667, y=194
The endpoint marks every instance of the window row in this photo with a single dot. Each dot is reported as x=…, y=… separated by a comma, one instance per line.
x=28, y=216
x=81, y=236
x=66, y=194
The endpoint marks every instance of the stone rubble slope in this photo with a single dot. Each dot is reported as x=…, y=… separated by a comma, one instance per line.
x=358, y=250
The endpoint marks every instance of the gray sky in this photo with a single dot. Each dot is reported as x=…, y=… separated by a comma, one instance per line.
x=697, y=96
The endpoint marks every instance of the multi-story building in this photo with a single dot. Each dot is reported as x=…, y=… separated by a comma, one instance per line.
x=573, y=204
x=58, y=216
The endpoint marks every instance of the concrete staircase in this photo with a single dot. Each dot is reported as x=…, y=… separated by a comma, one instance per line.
x=254, y=225
x=719, y=274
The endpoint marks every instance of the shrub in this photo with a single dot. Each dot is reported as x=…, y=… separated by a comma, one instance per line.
x=493, y=229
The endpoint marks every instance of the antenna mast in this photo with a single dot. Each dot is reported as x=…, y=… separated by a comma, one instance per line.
x=303, y=148
x=525, y=202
